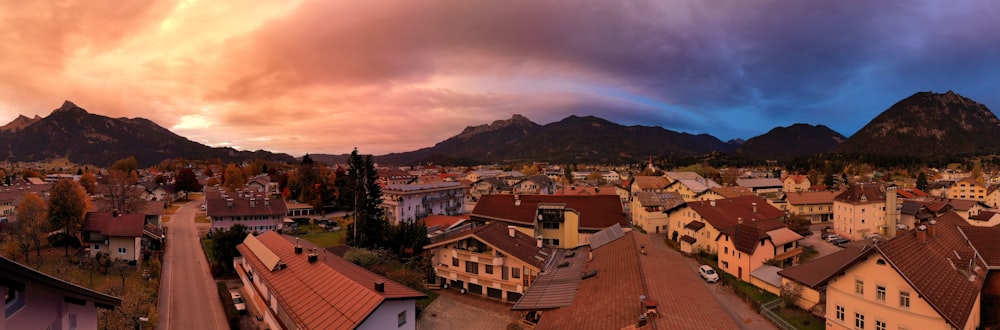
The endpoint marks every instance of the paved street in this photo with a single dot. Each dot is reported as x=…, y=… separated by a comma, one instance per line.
x=188, y=297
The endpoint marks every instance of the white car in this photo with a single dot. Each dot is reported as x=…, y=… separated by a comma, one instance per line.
x=708, y=273
x=238, y=302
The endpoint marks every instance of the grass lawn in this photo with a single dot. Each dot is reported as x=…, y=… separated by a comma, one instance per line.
x=751, y=291
x=320, y=237
x=207, y=244
x=201, y=218
x=801, y=319
x=423, y=303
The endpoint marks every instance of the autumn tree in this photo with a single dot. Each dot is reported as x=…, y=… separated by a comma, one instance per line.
x=127, y=165
x=121, y=193
x=30, y=225
x=187, y=181
x=67, y=207
x=89, y=182
x=232, y=178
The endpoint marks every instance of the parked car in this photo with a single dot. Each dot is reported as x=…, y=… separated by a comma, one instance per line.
x=708, y=273
x=832, y=238
x=826, y=235
x=238, y=302
x=840, y=241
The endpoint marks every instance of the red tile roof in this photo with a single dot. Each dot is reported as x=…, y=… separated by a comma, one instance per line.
x=733, y=191
x=329, y=294
x=747, y=235
x=587, y=190
x=596, y=212
x=863, y=194
x=727, y=212
x=930, y=268
x=816, y=273
x=125, y=225
x=218, y=206
x=442, y=221
x=986, y=243
x=811, y=197
x=798, y=178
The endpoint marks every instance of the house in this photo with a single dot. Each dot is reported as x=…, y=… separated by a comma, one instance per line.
x=817, y=206
x=967, y=188
x=812, y=277
x=562, y=221
x=967, y=208
x=11, y=196
x=482, y=174
x=152, y=191
x=489, y=186
x=727, y=192
x=928, y=278
x=865, y=209
x=117, y=235
x=939, y=188
x=535, y=185
x=748, y=245
x=993, y=196
x=262, y=184
x=299, y=286
x=258, y=212
x=762, y=186
x=494, y=260
x=628, y=282
x=439, y=224
x=648, y=209
x=698, y=224
x=692, y=189
x=393, y=176
x=35, y=300
x=648, y=183
x=796, y=182
x=411, y=202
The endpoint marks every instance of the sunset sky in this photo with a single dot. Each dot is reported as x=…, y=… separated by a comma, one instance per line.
x=326, y=76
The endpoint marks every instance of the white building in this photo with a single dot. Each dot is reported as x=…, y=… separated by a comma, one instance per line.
x=411, y=202
x=34, y=300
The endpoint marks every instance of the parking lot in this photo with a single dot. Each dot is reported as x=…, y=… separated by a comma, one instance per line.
x=817, y=243
x=453, y=310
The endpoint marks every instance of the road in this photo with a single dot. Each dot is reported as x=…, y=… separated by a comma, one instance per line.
x=188, y=296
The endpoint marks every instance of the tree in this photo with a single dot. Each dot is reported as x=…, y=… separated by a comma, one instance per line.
x=232, y=178
x=89, y=183
x=828, y=181
x=224, y=244
x=127, y=165
x=120, y=192
x=369, y=226
x=922, y=181
x=30, y=226
x=67, y=207
x=187, y=181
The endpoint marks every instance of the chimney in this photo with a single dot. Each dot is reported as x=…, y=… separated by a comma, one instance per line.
x=229, y=202
x=380, y=286
x=739, y=220
x=253, y=203
x=538, y=242
x=931, y=228
x=298, y=248
x=891, y=212
x=511, y=231
x=267, y=202
x=313, y=256
x=712, y=202
x=922, y=234
x=754, y=207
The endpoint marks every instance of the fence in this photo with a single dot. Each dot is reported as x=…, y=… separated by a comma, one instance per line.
x=767, y=309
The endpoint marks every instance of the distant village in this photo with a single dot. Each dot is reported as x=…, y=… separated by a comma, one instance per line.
x=553, y=246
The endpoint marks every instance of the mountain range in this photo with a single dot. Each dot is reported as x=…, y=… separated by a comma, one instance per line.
x=924, y=124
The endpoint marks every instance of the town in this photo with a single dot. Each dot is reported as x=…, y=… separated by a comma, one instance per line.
x=263, y=245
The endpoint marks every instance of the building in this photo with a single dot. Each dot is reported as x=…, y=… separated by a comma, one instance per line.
x=698, y=224
x=748, y=245
x=495, y=261
x=648, y=183
x=489, y=186
x=967, y=188
x=796, y=182
x=692, y=189
x=812, y=277
x=35, y=300
x=929, y=278
x=394, y=176
x=482, y=174
x=256, y=211
x=862, y=209
x=117, y=235
x=561, y=221
x=817, y=206
x=762, y=186
x=535, y=185
x=299, y=286
x=411, y=202
x=648, y=210
x=993, y=196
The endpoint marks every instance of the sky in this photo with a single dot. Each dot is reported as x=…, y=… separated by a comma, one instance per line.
x=326, y=76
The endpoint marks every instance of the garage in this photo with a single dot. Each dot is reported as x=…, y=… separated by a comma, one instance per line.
x=494, y=293
x=476, y=289
x=513, y=296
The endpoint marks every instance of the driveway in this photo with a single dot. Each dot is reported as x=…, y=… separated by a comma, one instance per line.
x=188, y=296
x=455, y=311
x=817, y=243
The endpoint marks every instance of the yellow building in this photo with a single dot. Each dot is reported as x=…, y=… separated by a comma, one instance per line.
x=967, y=188
x=648, y=210
x=816, y=206
x=699, y=223
x=494, y=260
x=560, y=221
x=812, y=277
x=692, y=189
x=796, y=182
x=860, y=211
x=993, y=196
x=923, y=279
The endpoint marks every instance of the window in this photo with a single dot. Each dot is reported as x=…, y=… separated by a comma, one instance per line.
x=503, y=273
x=550, y=225
x=725, y=249
x=13, y=301
x=859, y=321
x=489, y=269
x=840, y=313
x=401, y=319
x=97, y=247
x=859, y=287
x=555, y=241
x=454, y=261
x=904, y=300
x=515, y=272
x=880, y=294
x=72, y=321
x=121, y=250
x=879, y=325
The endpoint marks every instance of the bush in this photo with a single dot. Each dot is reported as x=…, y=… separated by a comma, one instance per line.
x=62, y=239
x=232, y=315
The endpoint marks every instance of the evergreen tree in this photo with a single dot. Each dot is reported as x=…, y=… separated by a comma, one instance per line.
x=828, y=181
x=922, y=181
x=368, y=230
